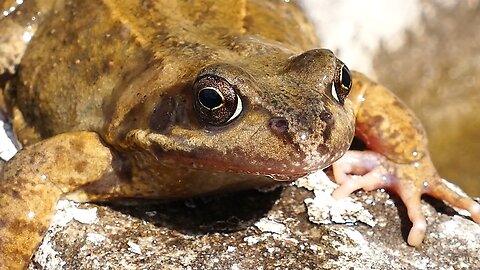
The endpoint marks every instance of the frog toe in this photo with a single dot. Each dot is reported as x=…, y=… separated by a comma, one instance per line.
x=359, y=170
x=415, y=214
x=351, y=183
x=419, y=227
x=450, y=193
x=370, y=170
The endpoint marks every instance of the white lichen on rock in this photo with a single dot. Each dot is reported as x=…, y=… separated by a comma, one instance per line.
x=270, y=225
x=7, y=148
x=324, y=209
x=66, y=212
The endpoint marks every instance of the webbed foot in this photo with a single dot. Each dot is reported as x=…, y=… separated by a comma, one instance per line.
x=369, y=170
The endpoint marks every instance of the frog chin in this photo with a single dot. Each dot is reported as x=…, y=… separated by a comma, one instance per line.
x=171, y=152
x=238, y=163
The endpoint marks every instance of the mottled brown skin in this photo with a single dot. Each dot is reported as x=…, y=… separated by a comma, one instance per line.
x=106, y=102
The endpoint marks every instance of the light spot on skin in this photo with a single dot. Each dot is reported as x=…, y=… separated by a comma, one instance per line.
x=5, y=13
x=12, y=9
x=26, y=37
x=19, y=2
x=324, y=79
x=31, y=215
x=414, y=153
x=416, y=165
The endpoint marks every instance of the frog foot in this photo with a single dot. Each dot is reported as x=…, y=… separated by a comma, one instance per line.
x=369, y=171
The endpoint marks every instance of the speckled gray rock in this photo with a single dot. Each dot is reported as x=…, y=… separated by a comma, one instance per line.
x=254, y=230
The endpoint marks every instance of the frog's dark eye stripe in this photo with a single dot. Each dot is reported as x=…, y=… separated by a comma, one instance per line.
x=217, y=102
x=342, y=83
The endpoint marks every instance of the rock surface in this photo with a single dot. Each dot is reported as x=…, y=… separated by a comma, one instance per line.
x=258, y=230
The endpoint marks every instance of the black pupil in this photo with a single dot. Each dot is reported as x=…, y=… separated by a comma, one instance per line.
x=210, y=98
x=346, y=79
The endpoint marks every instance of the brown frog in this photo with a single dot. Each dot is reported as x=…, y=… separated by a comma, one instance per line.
x=172, y=99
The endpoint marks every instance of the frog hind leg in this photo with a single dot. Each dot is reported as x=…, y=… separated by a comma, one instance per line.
x=370, y=170
x=398, y=157
x=34, y=180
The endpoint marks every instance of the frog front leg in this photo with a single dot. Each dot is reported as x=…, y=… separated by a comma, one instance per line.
x=398, y=159
x=35, y=179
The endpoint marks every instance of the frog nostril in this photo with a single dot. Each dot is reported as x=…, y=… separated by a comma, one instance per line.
x=279, y=125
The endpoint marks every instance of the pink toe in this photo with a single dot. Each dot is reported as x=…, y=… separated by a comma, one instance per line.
x=475, y=212
x=417, y=233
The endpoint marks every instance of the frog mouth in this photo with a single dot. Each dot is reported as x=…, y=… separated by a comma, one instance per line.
x=239, y=163
x=169, y=152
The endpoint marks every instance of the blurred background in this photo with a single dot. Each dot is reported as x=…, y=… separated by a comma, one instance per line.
x=428, y=53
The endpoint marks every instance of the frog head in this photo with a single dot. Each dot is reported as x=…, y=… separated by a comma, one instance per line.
x=256, y=108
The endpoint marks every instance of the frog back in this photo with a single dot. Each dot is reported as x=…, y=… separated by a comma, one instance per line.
x=79, y=68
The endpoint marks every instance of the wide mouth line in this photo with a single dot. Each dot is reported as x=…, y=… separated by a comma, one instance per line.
x=210, y=161
x=167, y=150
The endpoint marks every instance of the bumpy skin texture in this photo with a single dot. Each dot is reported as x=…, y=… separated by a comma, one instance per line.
x=106, y=101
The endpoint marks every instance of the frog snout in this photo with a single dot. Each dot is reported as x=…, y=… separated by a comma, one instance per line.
x=279, y=126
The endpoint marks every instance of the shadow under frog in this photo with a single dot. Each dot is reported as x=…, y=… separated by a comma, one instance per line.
x=208, y=214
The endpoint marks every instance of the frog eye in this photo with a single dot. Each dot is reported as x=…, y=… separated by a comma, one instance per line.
x=342, y=83
x=216, y=100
